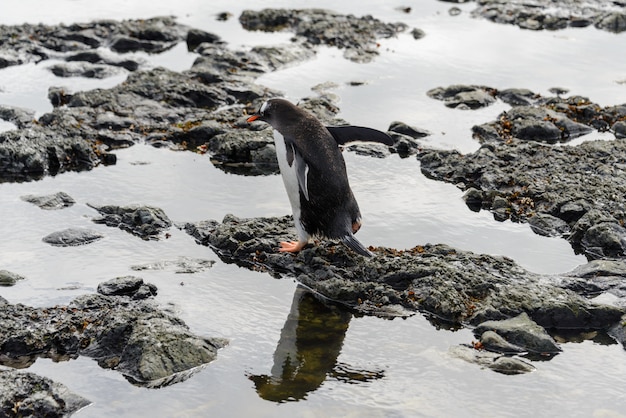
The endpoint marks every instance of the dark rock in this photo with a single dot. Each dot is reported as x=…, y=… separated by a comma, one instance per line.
x=473, y=199
x=58, y=96
x=79, y=42
x=195, y=37
x=223, y=16
x=619, y=128
x=548, y=225
x=618, y=331
x=32, y=153
x=8, y=278
x=454, y=11
x=357, y=36
x=404, y=129
x=72, y=237
x=279, y=56
x=542, y=125
x=521, y=332
x=596, y=277
x=607, y=239
x=464, y=97
x=146, y=222
x=20, y=117
x=612, y=22
x=558, y=90
x=130, y=286
x=517, y=97
x=536, y=130
x=82, y=69
x=245, y=152
x=134, y=337
x=582, y=186
x=24, y=394
x=55, y=201
x=454, y=286
x=417, y=33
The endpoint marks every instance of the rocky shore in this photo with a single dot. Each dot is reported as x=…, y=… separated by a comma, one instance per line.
x=575, y=192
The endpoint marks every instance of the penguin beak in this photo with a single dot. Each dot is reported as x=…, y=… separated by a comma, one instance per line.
x=253, y=118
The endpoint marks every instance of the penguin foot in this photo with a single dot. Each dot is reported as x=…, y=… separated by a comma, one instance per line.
x=291, y=246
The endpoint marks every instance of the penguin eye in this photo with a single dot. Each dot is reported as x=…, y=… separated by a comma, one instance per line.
x=264, y=108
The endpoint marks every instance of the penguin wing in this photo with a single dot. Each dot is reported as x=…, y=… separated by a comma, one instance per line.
x=294, y=158
x=345, y=134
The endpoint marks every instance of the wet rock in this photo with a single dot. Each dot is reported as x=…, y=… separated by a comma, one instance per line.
x=596, y=277
x=72, y=237
x=34, y=43
x=32, y=153
x=82, y=69
x=8, y=278
x=223, y=16
x=492, y=341
x=619, y=128
x=279, y=56
x=532, y=123
x=404, y=129
x=612, y=22
x=521, y=332
x=370, y=150
x=100, y=57
x=245, y=152
x=417, y=33
x=607, y=239
x=150, y=35
x=20, y=117
x=134, y=337
x=55, y=201
x=182, y=265
x=158, y=106
x=356, y=35
x=548, y=225
x=496, y=362
x=195, y=37
x=618, y=331
x=146, y=222
x=454, y=286
x=582, y=186
x=200, y=231
x=517, y=97
x=24, y=394
x=130, y=286
x=545, y=14
x=464, y=97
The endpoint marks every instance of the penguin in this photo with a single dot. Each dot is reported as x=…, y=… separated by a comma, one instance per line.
x=314, y=173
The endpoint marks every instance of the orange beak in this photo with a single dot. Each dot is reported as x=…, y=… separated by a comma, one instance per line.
x=252, y=118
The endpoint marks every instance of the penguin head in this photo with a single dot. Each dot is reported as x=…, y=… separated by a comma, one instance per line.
x=273, y=109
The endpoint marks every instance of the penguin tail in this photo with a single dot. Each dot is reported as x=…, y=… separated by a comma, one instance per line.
x=356, y=246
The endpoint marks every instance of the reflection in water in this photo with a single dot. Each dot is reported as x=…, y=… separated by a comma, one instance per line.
x=307, y=352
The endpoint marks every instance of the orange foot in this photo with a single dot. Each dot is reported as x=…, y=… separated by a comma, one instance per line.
x=291, y=246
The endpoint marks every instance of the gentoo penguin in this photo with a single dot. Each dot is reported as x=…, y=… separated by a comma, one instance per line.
x=314, y=173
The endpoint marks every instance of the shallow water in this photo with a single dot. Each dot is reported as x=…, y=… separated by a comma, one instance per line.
x=383, y=368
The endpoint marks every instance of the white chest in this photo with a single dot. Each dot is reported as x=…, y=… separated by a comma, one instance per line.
x=288, y=172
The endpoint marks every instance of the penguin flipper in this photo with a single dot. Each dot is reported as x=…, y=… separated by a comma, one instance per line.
x=302, y=172
x=301, y=168
x=356, y=246
x=346, y=134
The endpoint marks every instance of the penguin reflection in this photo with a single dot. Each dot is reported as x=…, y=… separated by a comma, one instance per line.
x=307, y=352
